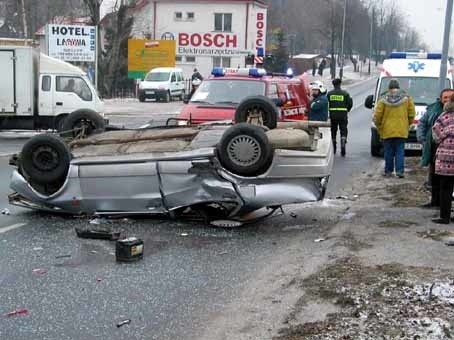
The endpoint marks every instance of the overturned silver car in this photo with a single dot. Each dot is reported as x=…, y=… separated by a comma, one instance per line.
x=218, y=171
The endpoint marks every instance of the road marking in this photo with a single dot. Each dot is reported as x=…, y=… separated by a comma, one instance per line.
x=11, y=227
x=357, y=106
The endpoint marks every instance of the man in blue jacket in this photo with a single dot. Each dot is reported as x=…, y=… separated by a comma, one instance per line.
x=319, y=102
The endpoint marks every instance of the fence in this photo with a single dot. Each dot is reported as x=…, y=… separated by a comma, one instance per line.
x=126, y=93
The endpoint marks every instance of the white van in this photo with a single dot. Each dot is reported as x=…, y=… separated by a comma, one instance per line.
x=162, y=83
x=418, y=74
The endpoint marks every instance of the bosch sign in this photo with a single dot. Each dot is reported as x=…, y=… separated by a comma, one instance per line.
x=219, y=40
x=208, y=44
x=260, y=25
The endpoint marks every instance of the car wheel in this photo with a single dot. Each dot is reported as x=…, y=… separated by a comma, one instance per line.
x=167, y=97
x=141, y=98
x=82, y=123
x=45, y=159
x=376, y=146
x=244, y=150
x=254, y=107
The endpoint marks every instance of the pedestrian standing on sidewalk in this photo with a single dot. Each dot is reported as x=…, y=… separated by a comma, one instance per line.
x=340, y=104
x=314, y=68
x=443, y=134
x=321, y=67
x=424, y=136
x=393, y=117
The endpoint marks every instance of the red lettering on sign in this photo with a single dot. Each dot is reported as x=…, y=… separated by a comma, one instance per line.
x=260, y=25
x=230, y=41
x=183, y=39
x=219, y=40
x=207, y=41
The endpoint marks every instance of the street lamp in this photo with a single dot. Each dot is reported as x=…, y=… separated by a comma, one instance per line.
x=444, y=59
x=341, y=72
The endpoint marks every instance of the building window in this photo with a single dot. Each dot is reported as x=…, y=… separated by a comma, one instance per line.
x=178, y=15
x=190, y=59
x=223, y=22
x=190, y=15
x=221, y=62
x=178, y=58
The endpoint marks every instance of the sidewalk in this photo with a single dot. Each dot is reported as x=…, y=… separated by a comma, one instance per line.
x=349, y=77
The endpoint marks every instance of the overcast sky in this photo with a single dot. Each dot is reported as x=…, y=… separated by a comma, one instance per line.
x=427, y=17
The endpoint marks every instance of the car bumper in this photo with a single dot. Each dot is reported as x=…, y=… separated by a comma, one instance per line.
x=152, y=93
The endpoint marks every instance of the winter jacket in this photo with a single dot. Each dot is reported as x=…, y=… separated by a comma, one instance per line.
x=394, y=114
x=319, y=108
x=432, y=110
x=340, y=103
x=443, y=134
x=424, y=132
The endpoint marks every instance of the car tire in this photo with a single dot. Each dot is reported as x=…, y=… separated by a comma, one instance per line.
x=167, y=97
x=376, y=146
x=75, y=121
x=45, y=159
x=141, y=98
x=263, y=105
x=59, y=121
x=244, y=150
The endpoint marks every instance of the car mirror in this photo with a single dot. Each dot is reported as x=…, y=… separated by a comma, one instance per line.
x=369, y=102
x=186, y=99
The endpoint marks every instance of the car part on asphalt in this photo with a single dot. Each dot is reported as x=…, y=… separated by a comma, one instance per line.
x=226, y=223
x=257, y=110
x=99, y=234
x=124, y=322
x=129, y=250
x=244, y=150
x=82, y=123
x=17, y=312
x=45, y=159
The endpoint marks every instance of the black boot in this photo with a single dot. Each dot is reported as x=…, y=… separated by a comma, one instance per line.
x=343, y=142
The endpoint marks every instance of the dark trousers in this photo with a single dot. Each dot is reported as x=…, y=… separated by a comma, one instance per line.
x=446, y=188
x=434, y=180
x=341, y=124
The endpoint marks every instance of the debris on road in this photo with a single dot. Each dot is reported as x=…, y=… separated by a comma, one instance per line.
x=38, y=248
x=292, y=214
x=17, y=312
x=99, y=234
x=184, y=234
x=124, y=322
x=342, y=197
x=319, y=240
x=39, y=271
x=63, y=256
x=5, y=211
x=98, y=221
x=129, y=250
x=449, y=241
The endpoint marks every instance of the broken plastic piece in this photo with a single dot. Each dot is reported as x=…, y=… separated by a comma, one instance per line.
x=319, y=240
x=292, y=214
x=124, y=322
x=39, y=271
x=100, y=234
x=184, y=234
x=5, y=211
x=62, y=256
x=17, y=312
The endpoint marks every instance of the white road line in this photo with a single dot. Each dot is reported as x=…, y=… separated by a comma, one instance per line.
x=357, y=106
x=11, y=227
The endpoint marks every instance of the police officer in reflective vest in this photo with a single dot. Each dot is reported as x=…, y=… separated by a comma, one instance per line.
x=340, y=103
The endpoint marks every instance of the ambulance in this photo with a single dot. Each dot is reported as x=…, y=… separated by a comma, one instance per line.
x=418, y=74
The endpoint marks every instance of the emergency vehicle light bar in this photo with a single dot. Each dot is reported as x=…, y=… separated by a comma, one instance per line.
x=252, y=72
x=412, y=55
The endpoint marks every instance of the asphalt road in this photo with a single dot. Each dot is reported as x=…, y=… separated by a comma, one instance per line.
x=189, y=273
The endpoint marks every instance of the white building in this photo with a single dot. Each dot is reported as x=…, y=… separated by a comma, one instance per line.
x=207, y=33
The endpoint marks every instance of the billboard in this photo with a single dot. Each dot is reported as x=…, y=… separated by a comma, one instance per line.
x=71, y=42
x=144, y=55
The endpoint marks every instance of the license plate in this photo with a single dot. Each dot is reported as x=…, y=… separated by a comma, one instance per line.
x=413, y=146
x=149, y=92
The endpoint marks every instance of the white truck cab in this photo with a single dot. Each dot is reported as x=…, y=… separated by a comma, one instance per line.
x=40, y=92
x=418, y=74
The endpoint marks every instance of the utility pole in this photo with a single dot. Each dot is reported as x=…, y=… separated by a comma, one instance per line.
x=341, y=72
x=444, y=57
x=372, y=19
x=24, y=19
